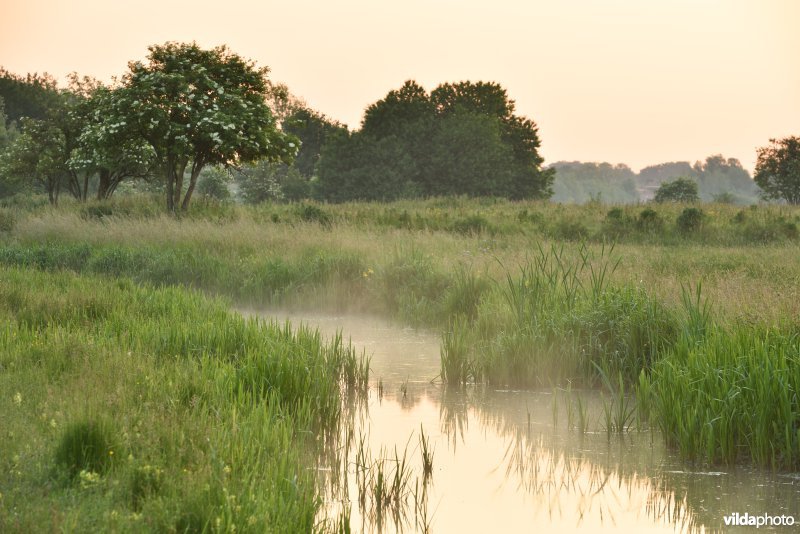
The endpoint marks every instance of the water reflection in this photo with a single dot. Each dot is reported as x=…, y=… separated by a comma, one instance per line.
x=506, y=460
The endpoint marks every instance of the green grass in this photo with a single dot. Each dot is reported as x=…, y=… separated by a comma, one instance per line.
x=129, y=407
x=526, y=293
x=731, y=395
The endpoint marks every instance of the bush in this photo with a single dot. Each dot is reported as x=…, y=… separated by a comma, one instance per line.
x=313, y=213
x=690, y=220
x=680, y=190
x=213, y=183
x=617, y=223
x=649, y=221
x=86, y=446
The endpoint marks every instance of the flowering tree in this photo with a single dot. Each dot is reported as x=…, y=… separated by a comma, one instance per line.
x=194, y=107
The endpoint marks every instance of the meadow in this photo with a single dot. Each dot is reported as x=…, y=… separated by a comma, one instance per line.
x=691, y=309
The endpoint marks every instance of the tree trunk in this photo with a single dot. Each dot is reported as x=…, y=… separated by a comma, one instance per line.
x=104, y=184
x=170, y=171
x=181, y=169
x=197, y=166
x=85, y=186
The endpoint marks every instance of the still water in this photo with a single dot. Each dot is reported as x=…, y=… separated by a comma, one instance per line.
x=516, y=461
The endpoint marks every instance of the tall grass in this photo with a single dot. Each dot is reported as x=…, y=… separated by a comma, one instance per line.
x=158, y=409
x=519, y=301
x=733, y=395
x=559, y=319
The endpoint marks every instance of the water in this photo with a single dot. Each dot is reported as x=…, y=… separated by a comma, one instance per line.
x=517, y=461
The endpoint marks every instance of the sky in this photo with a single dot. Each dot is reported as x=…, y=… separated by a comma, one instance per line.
x=638, y=82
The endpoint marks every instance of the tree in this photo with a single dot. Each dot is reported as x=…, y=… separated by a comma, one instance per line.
x=213, y=182
x=778, y=169
x=260, y=182
x=529, y=180
x=680, y=190
x=113, y=154
x=37, y=155
x=313, y=130
x=578, y=182
x=196, y=107
x=356, y=166
x=468, y=156
x=460, y=139
x=30, y=96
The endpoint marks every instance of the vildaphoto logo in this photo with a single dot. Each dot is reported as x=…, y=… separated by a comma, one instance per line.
x=764, y=520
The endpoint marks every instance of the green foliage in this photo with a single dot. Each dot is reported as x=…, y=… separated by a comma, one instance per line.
x=577, y=182
x=259, y=182
x=213, y=182
x=87, y=445
x=313, y=130
x=715, y=177
x=460, y=139
x=359, y=167
x=313, y=213
x=731, y=395
x=215, y=416
x=690, y=220
x=30, y=96
x=196, y=107
x=680, y=190
x=38, y=156
x=552, y=327
x=778, y=169
x=649, y=221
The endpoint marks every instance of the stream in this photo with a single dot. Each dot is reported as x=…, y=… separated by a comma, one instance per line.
x=516, y=461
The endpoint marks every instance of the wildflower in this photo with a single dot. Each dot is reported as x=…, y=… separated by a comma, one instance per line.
x=18, y=398
x=88, y=478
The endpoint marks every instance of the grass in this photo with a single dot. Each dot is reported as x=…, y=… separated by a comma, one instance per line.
x=528, y=294
x=731, y=395
x=130, y=407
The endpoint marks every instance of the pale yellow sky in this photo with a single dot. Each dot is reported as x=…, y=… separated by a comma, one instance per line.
x=632, y=81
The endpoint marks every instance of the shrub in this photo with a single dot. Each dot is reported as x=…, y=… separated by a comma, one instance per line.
x=313, y=213
x=86, y=446
x=680, y=190
x=617, y=222
x=649, y=221
x=690, y=220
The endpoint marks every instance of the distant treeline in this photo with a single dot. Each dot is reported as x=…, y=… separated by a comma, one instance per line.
x=458, y=139
x=718, y=180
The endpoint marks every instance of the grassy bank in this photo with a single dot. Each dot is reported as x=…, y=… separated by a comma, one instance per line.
x=131, y=408
x=519, y=302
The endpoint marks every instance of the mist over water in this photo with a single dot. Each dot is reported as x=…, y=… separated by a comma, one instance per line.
x=514, y=461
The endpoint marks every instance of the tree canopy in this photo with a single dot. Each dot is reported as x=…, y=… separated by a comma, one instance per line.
x=778, y=169
x=578, y=182
x=195, y=107
x=461, y=138
x=680, y=190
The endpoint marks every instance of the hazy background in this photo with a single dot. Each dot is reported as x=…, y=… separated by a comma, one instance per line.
x=630, y=81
